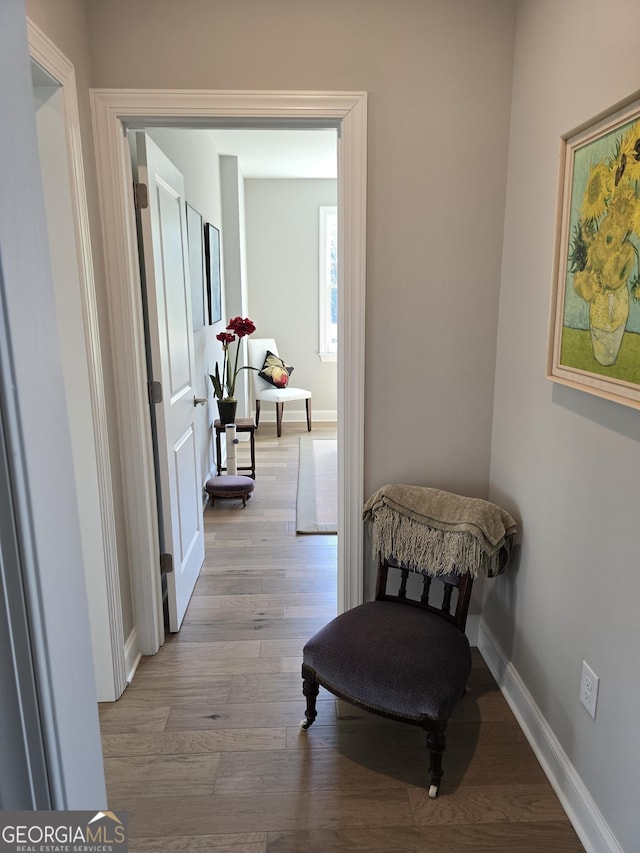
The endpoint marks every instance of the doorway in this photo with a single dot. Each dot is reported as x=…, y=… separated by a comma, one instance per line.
x=262, y=192
x=114, y=111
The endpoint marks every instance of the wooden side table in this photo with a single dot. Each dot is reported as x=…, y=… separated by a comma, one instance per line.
x=242, y=425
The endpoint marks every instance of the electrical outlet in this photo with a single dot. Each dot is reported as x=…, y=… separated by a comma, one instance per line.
x=589, y=689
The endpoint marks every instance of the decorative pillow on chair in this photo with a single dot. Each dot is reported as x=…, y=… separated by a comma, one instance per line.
x=275, y=371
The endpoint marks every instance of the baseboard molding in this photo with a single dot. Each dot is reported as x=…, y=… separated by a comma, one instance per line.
x=131, y=655
x=268, y=415
x=581, y=808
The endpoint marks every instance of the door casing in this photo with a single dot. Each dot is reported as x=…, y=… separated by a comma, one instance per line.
x=115, y=111
x=103, y=582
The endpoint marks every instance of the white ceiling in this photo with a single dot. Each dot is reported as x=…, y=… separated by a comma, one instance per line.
x=280, y=153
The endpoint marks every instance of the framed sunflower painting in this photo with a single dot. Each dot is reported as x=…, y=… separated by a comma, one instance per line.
x=594, y=340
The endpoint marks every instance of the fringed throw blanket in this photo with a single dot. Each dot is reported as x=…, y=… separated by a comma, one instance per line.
x=437, y=532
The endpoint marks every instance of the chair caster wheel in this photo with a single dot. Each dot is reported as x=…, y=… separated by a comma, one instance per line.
x=304, y=725
x=433, y=792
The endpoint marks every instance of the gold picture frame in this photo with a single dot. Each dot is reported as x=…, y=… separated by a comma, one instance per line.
x=594, y=337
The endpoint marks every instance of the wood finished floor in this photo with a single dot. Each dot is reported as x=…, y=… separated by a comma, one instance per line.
x=204, y=750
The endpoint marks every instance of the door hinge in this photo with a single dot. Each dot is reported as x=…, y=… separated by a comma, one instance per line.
x=155, y=391
x=140, y=196
x=166, y=564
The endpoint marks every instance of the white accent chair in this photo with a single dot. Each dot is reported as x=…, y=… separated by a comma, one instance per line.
x=264, y=391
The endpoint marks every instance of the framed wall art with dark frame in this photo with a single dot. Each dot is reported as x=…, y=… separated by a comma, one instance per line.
x=214, y=290
x=195, y=242
x=594, y=338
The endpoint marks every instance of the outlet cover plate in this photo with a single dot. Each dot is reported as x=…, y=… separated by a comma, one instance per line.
x=589, y=689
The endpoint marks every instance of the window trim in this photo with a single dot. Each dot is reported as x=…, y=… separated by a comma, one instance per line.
x=325, y=213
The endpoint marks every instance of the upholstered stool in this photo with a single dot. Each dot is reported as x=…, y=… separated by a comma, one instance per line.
x=229, y=486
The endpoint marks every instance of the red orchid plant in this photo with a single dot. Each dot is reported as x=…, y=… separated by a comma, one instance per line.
x=238, y=327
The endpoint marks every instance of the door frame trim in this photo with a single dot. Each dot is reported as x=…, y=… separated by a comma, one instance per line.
x=114, y=111
x=105, y=606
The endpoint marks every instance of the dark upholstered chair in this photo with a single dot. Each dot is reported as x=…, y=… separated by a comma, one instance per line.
x=398, y=657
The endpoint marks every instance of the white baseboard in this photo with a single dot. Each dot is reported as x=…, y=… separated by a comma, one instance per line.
x=131, y=655
x=584, y=814
x=268, y=415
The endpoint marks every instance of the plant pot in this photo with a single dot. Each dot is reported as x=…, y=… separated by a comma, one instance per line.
x=608, y=314
x=227, y=411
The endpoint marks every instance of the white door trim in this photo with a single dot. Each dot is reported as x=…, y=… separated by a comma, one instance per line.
x=104, y=603
x=115, y=109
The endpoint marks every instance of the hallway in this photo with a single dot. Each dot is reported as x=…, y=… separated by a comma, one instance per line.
x=204, y=749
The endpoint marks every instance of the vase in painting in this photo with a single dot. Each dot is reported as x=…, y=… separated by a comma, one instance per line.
x=608, y=314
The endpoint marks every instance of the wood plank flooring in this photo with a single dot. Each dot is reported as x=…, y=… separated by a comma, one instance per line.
x=204, y=749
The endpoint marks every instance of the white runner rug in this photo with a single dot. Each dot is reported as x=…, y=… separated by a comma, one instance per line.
x=317, y=499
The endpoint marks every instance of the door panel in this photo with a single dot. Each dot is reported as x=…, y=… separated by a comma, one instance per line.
x=172, y=227
x=185, y=468
x=168, y=292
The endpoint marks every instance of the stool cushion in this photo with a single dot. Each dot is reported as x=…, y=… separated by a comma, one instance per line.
x=229, y=486
x=392, y=658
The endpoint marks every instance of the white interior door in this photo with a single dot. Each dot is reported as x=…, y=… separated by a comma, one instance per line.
x=164, y=234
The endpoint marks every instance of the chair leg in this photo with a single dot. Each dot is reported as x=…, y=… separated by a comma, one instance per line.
x=279, y=410
x=310, y=689
x=257, y=413
x=436, y=743
x=308, y=404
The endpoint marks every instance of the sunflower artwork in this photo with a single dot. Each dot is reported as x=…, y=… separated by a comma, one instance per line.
x=595, y=334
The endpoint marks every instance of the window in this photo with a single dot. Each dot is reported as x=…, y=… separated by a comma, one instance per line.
x=328, y=283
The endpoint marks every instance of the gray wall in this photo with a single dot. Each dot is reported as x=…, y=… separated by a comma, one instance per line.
x=282, y=227
x=444, y=134
x=438, y=76
x=565, y=462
